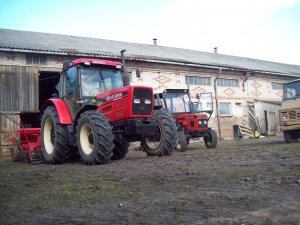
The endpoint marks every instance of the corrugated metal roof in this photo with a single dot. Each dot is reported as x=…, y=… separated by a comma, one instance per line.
x=56, y=43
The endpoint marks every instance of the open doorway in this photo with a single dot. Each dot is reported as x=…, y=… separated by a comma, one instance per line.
x=47, y=83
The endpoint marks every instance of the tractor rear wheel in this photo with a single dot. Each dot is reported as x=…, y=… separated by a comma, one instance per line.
x=94, y=138
x=54, y=137
x=181, y=142
x=164, y=142
x=121, y=148
x=211, y=140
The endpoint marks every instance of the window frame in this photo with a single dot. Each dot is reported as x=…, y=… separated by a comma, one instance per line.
x=277, y=86
x=229, y=109
x=31, y=59
x=201, y=81
x=224, y=82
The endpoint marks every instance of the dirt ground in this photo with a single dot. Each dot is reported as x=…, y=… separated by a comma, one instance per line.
x=255, y=181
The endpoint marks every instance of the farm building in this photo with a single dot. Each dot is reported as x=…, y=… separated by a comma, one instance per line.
x=245, y=91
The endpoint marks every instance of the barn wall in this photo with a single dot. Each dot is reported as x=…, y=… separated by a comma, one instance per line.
x=258, y=88
x=19, y=88
x=9, y=123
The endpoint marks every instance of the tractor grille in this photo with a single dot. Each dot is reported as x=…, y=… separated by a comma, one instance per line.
x=202, y=124
x=142, y=101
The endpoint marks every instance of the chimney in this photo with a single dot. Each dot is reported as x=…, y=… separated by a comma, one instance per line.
x=216, y=50
x=154, y=41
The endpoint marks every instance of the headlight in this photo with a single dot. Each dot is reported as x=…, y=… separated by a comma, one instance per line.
x=284, y=116
x=137, y=101
x=147, y=101
x=204, y=122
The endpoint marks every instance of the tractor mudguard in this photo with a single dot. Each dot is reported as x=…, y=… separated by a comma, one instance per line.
x=62, y=110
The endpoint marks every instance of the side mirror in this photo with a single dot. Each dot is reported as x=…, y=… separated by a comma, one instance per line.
x=138, y=73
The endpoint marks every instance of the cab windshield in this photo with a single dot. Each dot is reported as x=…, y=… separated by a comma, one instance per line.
x=291, y=90
x=95, y=81
x=177, y=102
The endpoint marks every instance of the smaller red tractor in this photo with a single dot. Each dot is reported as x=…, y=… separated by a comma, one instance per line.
x=192, y=122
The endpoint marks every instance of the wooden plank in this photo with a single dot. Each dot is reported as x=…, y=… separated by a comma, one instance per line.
x=246, y=130
x=19, y=88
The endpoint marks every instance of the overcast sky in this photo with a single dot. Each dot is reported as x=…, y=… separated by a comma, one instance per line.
x=261, y=29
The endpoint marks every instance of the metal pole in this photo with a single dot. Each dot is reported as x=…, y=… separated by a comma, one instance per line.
x=217, y=104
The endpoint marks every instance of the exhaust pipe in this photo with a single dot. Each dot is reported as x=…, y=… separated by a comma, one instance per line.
x=126, y=80
x=123, y=59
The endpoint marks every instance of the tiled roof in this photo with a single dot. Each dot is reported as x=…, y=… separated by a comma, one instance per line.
x=56, y=43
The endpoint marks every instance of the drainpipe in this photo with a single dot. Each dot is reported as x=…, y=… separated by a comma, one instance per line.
x=217, y=104
x=248, y=74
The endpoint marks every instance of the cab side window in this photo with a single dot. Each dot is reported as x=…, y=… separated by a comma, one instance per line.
x=71, y=82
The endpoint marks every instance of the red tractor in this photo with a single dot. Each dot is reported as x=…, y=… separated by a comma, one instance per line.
x=97, y=113
x=192, y=122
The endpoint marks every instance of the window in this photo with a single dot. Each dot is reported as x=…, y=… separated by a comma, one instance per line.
x=177, y=102
x=94, y=81
x=225, y=108
x=227, y=82
x=197, y=80
x=277, y=86
x=209, y=106
x=71, y=82
x=291, y=90
x=197, y=106
x=35, y=59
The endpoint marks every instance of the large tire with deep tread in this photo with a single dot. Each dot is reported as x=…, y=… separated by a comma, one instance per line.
x=54, y=137
x=181, y=142
x=211, y=140
x=165, y=142
x=94, y=138
x=289, y=137
x=121, y=148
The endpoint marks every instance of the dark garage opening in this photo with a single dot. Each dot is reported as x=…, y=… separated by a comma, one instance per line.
x=47, y=83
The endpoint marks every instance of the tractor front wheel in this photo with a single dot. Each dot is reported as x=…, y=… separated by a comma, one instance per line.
x=54, y=137
x=181, y=142
x=211, y=140
x=94, y=138
x=164, y=142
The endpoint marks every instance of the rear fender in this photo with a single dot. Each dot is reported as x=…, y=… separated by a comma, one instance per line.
x=61, y=108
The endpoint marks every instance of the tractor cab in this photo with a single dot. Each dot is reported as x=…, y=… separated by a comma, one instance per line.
x=83, y=79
